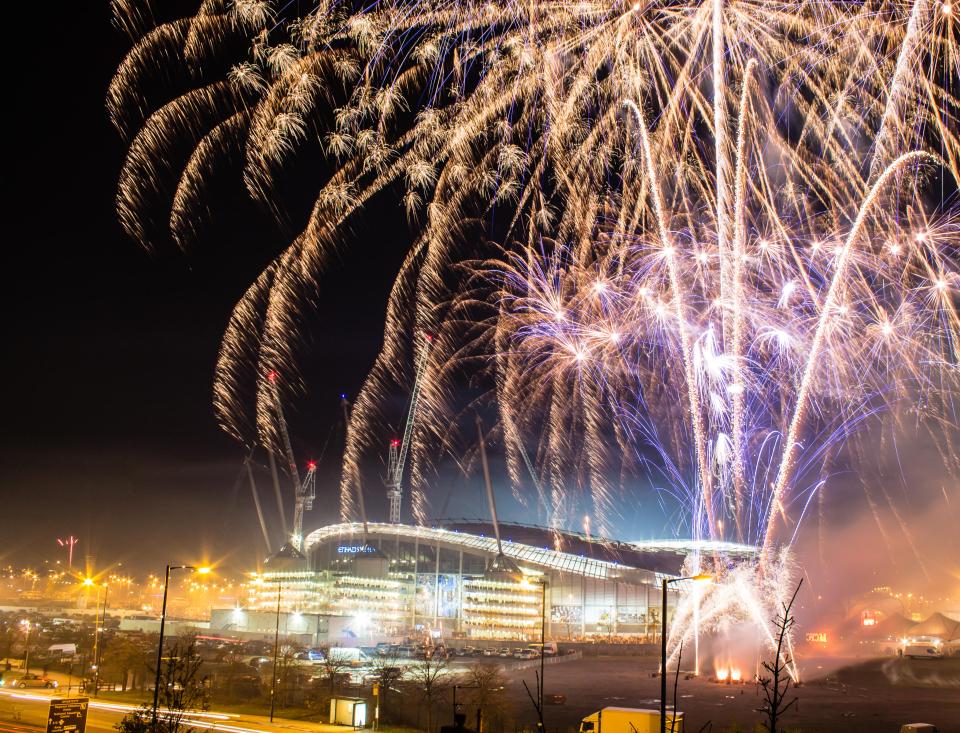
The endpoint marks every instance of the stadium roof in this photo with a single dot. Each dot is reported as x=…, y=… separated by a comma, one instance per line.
x=937, y=626
x=593, y=557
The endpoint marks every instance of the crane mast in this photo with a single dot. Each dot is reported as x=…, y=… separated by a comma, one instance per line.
x=306, y=493
x=282, y=424
x=305, y=490
x=397, y=457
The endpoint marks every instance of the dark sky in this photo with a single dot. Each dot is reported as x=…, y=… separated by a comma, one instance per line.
x=107, y=429
x=108, y=432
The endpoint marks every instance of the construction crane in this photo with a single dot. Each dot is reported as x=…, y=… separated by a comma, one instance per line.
x=305, y=490
x=306, y=493
x=282, y=425
x=501, y=564
x=397, y=457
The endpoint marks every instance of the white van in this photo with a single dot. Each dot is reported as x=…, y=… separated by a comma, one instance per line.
x=922, y=651
x=349, y=655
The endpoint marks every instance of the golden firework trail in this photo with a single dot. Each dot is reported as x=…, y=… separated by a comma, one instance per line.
x=725, y=228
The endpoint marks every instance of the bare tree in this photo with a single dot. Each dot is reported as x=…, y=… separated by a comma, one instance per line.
x=288, y=675
x=777, y=686
x=182, y=688
x=430, y=678
x=387, y=671
x=487, y=684
x=335, y=666
x=124, y=660
x=537, y=702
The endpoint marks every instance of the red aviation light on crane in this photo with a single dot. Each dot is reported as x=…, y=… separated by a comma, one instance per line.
x=428, y=336
x=272, y=375
x=311, y=465
x=394, y=443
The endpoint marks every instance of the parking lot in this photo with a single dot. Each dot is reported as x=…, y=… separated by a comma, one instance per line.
x=856, y=697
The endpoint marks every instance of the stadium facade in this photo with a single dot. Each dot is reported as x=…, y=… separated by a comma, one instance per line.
x=396, y=580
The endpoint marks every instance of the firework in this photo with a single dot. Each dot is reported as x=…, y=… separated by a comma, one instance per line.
x=720, y=243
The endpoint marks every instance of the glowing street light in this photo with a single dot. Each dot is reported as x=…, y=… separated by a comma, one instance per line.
x=99, y=619
x=699, y=578
x=203, y=570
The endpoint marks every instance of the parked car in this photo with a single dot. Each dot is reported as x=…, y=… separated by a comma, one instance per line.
x=30, y=680
x=309, y=655
x=505, y=652
x=526, y=654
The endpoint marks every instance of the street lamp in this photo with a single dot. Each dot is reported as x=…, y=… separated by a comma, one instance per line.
x=701, y=578
x=163, y=619
x=543, y=643
x=276, y=652
x=89, y=583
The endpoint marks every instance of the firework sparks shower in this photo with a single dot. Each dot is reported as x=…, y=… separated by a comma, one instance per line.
x=724, y=229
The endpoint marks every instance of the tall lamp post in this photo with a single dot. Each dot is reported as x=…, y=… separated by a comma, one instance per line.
x=89, y=582
x=163, y=619
x=543, y=642
x=702, y=578
x=276, y=653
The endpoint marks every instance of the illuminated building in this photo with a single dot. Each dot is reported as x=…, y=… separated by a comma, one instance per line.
x=398, y=578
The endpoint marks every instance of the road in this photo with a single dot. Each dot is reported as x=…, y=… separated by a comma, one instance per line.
x=23, y=711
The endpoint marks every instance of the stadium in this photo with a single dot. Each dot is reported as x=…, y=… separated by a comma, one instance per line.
x=455, y=581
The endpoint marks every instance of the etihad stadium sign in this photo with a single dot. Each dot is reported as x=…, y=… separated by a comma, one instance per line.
x=356, y=550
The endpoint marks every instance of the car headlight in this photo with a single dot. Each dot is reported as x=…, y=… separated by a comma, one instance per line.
x=56, y=684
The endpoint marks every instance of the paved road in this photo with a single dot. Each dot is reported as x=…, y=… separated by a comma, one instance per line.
x=16, y=728
x=26, y=710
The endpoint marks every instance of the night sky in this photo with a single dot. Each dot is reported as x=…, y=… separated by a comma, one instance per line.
x=109, y=433
x=108, y=430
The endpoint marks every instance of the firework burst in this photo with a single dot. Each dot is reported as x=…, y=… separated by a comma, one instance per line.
x=721, y=247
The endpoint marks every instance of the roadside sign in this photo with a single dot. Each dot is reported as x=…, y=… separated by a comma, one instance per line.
x=68, y=716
